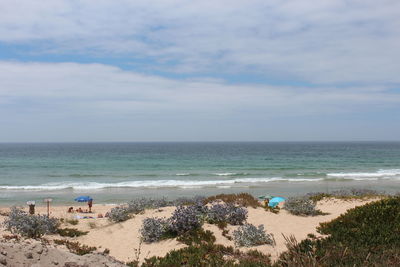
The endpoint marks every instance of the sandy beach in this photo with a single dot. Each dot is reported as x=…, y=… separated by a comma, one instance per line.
x=122, y=239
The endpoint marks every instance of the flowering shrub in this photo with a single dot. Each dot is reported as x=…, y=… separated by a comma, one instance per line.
x=228, y=213
x=119, y=214
x=153, y=229
x=249, y=235
x=33, y=226
x=186, y=218
x=301, y=206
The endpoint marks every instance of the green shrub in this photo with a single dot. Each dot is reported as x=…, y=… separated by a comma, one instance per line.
x=70, y=232
x=154, y=229
x=119, y=214
x=303, y=206
x=374, y=224
x=197, y=236
x=75, y=247
x=33, y=226
x=242, y=199
x=352, y=193
x=249, y=235
x=364, y=236
x=72, y=221
x=209, y=255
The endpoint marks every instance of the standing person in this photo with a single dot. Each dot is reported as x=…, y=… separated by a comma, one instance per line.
x=31, y=205
x=90, y=204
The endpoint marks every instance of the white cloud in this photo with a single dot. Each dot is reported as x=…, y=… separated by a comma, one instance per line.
x=108, y=88
x=326, y=42
x=92, y=102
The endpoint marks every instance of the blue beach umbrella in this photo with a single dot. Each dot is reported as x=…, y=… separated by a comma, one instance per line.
x=273, y=202
x=83, y=199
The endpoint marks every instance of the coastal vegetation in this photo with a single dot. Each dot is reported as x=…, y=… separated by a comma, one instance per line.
x=75, y=247
x=31, y=226
x=303, y=206
x=249, y=235
x=363, y=236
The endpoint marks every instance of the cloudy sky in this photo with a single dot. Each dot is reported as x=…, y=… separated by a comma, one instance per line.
x=175, y=70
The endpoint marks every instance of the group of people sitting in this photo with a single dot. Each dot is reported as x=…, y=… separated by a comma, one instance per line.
x=80, y=210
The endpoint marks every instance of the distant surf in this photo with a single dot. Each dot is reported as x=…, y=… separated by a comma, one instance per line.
x=223, y=183
x=359, y=175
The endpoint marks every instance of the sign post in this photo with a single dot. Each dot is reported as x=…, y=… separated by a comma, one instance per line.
x=48, y=200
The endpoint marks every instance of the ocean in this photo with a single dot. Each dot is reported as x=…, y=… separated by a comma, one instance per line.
x=117, y=172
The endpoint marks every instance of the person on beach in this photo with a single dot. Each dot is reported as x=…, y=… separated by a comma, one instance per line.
x=90, y=204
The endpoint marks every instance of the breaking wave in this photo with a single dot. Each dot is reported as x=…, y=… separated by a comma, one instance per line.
x=362, y=175
x=149, y=184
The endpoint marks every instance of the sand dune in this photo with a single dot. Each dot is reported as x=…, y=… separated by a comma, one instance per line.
x=122, y=239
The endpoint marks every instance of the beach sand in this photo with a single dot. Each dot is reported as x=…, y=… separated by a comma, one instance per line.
x=122, y=239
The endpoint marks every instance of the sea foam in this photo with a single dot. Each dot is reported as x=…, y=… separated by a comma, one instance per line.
x=360, y=175
x=150, y=184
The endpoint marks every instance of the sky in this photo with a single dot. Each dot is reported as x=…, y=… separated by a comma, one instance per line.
x=175, y=70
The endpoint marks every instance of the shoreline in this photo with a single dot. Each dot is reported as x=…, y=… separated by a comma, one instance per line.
x=117, y=196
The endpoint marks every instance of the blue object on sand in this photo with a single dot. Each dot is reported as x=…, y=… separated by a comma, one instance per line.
x=83, y=199
x=273, y=202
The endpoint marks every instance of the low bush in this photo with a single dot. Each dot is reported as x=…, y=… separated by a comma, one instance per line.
x=249, y=235
x=225, y=233
x=353, y=193
x=242, y=199
x=75, y=247
x=119, y=214
x=207, y=254
x=220, y=213
x=71, y=232
x=363, y=236
x=197, y=236
x=185, y=219
x=303, y=206
x=72, y=221
x=32, y=226
x=154, y=229
x=374, y=224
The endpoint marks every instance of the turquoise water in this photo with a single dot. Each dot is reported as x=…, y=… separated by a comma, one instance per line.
x=120, y=171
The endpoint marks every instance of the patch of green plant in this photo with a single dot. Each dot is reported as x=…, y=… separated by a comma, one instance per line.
x=72, y=221
x=71, y=232
x=302, y=206
x=249, y=235
x=208, y=254
x=241, y=199
x=347, y=194
x=319, y=196
x=374, y=224
x=197, y=236
x=32, y=226
x=364, y=236
x=75, y=247
x=225, y=233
